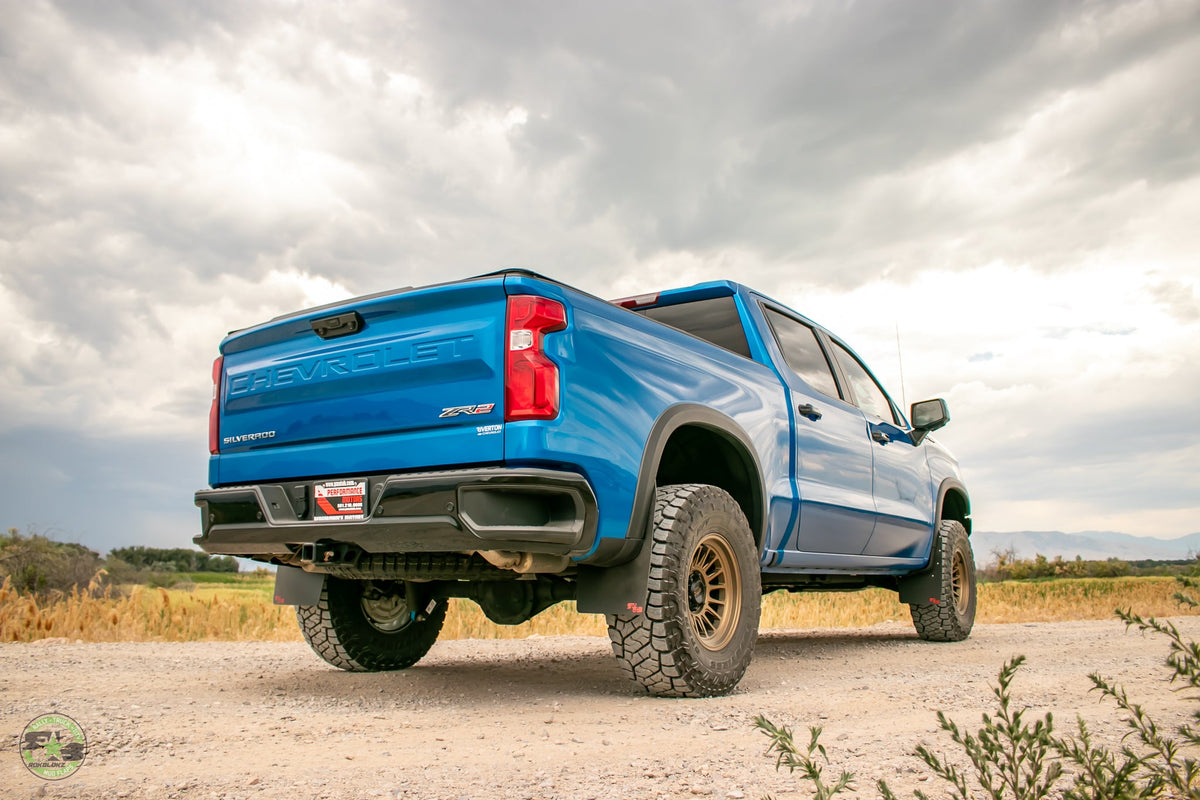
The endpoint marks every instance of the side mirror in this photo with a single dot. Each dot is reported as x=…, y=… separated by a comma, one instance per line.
x=928, y=415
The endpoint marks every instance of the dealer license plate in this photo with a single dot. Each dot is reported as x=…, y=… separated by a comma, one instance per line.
x=339, y=499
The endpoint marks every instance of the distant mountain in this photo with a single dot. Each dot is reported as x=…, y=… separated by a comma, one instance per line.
x=1088, y=545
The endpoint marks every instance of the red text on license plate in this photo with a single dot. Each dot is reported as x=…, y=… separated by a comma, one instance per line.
x=339, y=499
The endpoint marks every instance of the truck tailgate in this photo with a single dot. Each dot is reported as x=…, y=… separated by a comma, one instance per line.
x=398, y=381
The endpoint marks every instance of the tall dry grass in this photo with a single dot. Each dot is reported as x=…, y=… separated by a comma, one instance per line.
x=1010, y=601
x=216, y=613
x=1080, y=598
x=241, y=612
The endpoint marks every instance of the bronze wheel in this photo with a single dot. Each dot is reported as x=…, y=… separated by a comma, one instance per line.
x=695, y=637
x=960, y=587
x=949, y=612
x=714, y=592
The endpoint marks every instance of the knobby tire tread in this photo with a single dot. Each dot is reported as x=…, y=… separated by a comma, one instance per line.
x=338, y=632
x=653, y=649
x=942, y=621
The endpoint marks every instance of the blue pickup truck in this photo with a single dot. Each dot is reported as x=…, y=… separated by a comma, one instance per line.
x=664, y=460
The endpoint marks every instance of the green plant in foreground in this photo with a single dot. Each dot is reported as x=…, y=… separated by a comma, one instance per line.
x=788, y=754
x=1011, y=757
x=1015, y=759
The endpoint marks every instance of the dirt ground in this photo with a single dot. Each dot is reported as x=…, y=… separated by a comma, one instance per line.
x=540, y=717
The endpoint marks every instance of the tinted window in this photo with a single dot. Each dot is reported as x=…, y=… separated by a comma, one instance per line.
x=803, y=352
x=714, y=320
x=867, y=394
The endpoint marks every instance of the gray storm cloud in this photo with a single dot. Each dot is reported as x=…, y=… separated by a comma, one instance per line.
x=170, y=172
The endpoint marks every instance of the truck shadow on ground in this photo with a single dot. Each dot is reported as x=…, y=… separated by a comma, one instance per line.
x=831, y=644
x=454, y=681
x=486, y=678
x=825, y=637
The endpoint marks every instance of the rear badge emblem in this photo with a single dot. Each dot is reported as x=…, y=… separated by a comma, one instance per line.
x=454, y=411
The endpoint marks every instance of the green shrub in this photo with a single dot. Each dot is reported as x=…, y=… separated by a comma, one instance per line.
x=1005, y=566
x=37, y=565
x=175, y=559
x=787, y=754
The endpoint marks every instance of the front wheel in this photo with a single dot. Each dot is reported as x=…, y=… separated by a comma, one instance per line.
x=950, y=616
x=367, y=626
x=700, y=624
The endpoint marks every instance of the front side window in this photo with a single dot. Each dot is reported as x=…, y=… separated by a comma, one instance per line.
x=803, y=352
x=867, y=394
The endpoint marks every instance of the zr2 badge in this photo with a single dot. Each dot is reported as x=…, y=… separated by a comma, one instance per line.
x=454, y=411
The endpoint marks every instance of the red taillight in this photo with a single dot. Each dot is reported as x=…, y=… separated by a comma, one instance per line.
x=530, y=377
x=214, y=411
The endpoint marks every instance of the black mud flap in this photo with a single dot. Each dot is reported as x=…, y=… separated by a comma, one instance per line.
x=295, y=587
x=621, y=589
x=925, y=585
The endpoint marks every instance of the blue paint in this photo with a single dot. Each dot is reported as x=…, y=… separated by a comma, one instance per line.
x=835, y=500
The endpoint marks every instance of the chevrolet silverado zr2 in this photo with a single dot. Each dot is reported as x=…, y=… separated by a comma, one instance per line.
x=664, y=460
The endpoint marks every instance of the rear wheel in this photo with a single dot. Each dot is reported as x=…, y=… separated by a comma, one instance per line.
x=700, y=624
x=367, y=626
x=950, y=616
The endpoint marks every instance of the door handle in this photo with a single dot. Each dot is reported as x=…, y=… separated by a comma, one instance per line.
x=807, y=410
x=880, y=437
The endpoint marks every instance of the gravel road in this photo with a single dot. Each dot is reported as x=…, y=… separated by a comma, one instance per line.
x=540, y=717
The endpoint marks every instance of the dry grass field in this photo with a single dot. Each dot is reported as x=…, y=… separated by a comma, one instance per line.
x=208, y=612
x=241, y=610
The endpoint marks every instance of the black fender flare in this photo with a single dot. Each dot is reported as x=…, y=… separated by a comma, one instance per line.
x=614, y=579
x=917, y=586
x=944, y=488
x=671, y=420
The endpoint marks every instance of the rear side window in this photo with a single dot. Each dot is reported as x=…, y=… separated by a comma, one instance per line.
x=714, y=320
x=867, y=394
x=803, y=352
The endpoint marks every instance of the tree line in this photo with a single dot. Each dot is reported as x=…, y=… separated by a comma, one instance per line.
x=1005, y=566
x=176, y=559
x=36, y=564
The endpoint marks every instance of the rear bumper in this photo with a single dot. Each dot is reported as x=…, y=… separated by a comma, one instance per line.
x=529, y=510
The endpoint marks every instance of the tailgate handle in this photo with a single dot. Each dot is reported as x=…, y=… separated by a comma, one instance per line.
x=340, y=325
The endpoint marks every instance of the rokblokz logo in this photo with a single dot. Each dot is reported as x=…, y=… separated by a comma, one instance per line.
x=53, y=746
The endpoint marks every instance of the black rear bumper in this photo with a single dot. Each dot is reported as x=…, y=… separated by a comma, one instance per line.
x=529, y=510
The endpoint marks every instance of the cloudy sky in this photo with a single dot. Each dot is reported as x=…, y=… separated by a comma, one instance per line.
x=1013, y=187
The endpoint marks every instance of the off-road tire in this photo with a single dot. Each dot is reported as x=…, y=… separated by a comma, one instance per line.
x=339, y=630
x=952, y=616
x=700, y=624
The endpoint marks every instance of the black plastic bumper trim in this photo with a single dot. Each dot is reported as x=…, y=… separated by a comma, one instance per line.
x=525, y=509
